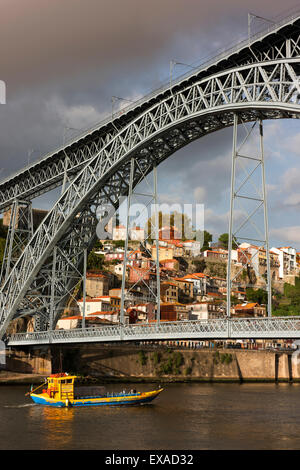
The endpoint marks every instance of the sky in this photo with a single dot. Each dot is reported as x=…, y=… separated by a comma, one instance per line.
x=62, y=61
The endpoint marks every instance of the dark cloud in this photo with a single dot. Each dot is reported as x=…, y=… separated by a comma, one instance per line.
x=42, y=40
x=62, y=60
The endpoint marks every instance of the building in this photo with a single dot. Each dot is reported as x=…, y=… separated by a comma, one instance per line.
x=137, y=234
x=177, y=247
x=145, y=312
x=169, y=292
x=186, y=288
x=119, y=233
x=285, y=259
x=191, y=247
x=249, y=310
x=164, y=252
x=200, y=281
x=97, y=304
x=206, y=310
x=110, y=316
x=115, y=303
x=169, y=264
x=67, y=323
x=218, y=255
x=116, y=292
x=217, y=284
x=240, y=295
x=114, y=256
x=173, y=311
x=97, y=284
x=118, y=269
x=256, y=258
x=138, y=274
x=292, y=258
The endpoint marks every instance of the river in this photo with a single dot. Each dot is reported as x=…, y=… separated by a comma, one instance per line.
x=184, y=416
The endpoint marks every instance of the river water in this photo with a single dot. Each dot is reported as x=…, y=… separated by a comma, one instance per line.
x=184, y=416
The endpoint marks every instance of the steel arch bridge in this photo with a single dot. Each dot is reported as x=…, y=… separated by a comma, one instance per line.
x=258, y=79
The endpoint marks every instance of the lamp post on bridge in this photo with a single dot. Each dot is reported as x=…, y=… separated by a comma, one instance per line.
x=251, y=17
x=113, y=101
x=173, y=64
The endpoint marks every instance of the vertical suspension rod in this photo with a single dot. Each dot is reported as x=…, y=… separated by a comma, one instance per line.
x=233, y=162
x=266, y=223
x=122, y=313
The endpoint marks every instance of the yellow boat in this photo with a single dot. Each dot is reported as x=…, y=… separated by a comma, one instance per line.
x=61, y=391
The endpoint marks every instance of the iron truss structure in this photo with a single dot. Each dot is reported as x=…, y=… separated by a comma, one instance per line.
x=257, y=80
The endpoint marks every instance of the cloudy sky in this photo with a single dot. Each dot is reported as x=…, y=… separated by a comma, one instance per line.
x=63, y=60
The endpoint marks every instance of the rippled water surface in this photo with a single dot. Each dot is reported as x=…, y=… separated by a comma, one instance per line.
x=184, y=416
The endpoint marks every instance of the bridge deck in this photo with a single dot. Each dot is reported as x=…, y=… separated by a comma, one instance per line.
x=258, y=328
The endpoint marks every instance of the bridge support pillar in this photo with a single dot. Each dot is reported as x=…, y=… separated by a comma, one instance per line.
x=20, y=231
x=248, y=221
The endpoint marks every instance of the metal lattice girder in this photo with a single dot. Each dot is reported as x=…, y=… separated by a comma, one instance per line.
x=259, y=328
x=280, y=41
x=265, y=90
x=19, y=233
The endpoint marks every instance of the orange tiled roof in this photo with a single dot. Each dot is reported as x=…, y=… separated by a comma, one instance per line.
x=95, y=275
x=250, y=305
x=182, y=279
x=96, y=299
x=109, y=312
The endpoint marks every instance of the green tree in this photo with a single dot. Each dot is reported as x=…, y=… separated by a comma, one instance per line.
x=95, y=261
x=207, y=237
x=3, y=229
x=259, y=296
x=98, y=245
x=119, y=243
x=224, y=238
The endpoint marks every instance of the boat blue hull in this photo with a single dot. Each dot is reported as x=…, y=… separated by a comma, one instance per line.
x=86, y=402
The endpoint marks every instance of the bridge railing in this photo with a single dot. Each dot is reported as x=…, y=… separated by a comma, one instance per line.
x=265, y=327
x=221, y=328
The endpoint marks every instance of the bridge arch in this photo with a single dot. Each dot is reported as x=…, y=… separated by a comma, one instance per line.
x=266, y=90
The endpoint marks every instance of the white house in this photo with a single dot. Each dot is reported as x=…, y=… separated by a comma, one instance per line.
x=205, y=311
x=287, y=260
x=97, y=304
x=191, y=247
x=137, y=233
x=119, y=232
